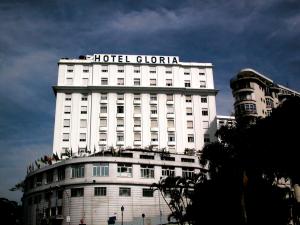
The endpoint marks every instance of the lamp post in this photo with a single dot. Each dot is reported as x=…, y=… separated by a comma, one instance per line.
x=122, y=209
x=143, y=215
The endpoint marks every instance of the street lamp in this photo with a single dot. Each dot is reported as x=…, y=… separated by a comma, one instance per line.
x=122, y=209
x=143, y=215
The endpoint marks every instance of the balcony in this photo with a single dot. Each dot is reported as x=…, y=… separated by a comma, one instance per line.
x=104, y=101
x=137, y=101
x=137, y=115
x=170, y=115
x=137, y=143
x=171, y=143
x=137, y=128
x=153, y=115
x=170, y=102
x=102, y=142
x=154, y=142
x=171, y=129
x=103, y=129
x=120, y=114
x=153, y=102
x=121, y=128
x=154, y=129
x=119, y=143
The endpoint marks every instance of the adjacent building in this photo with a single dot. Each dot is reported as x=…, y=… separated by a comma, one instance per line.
x=122, y=122
x=256, y=95
x=225, y=121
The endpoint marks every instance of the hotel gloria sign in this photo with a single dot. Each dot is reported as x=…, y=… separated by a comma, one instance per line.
x=138, y=59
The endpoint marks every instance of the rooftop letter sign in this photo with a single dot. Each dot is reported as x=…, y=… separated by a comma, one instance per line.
x=138, y=59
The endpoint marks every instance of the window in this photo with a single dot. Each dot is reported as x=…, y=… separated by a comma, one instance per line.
x=102, y=136
x=147, y=192
x=153, y=97
x=104, y=81
x=66, y=136
x=103, y=122
x=69, y=81
x=67, y=109
x=206, y=138
x=168, y=70
x=100, y=169
x=170, y=97
x=120, y=69
x=78, y=171
x=154, y=123
x=137, y=136
x=104, y=69
x=120, y=109
x=154, y=136
x=120, y=96
x=120, y=122
x=201, y=72
x=120, y=136
x=147, y=171
x=59, y=194
x=168, y=171
x=120, y=81
x=189, y=124
x=169, y=82
x=170, y=109
x=188, y=172
x=202, y=83
x=124, y=170
x=187, y=83
x=83, y=110
x=170, y=123
x=146, y=156
x=85, y=81
x=269, y=103
x=203, y=99
x=49, y=177
x=152, y=69
x=188, y=98
x=153, y=109
x=187, y=160
x=137, y=97
x=152, y=82
x=204, y=112
x=83, y=123
x=125, y=192
x=189, y=111
x=61, y=173
x=190, y=138
x=171, y=137
x=82, y=137
x=103, y=108
x=187, y=71
x=70, y=68
x=84, y=97
x=137, y=109
x=100, y=191
x=85, y=69
x=77, y=192
x=205, y=124
x=137, y=122
x=137, y=82
x=66, y=123
x=103, y=97
x=136, y=69
x=68, y=97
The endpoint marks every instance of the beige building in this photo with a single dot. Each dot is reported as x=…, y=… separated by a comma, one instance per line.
x=256, y=95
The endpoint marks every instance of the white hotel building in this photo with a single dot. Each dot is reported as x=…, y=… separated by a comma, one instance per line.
x=137, y=106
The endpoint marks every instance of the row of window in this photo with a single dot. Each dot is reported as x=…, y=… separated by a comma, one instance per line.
x=136, y=69
x=136, y=82
x=125, y=170
x=120, y=110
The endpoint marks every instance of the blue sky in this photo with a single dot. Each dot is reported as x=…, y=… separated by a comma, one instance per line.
x=231, y=34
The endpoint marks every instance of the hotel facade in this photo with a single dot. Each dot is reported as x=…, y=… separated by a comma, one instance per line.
x=122, y=122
